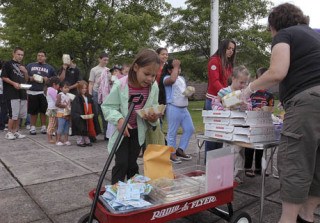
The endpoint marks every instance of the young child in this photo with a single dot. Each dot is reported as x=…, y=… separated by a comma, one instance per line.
x=177, y=109
x=63, y=105
x=51, y=96
x=259, y=100
x=240, y=78
x=83, y=127
x=140, y=80
x=106, y=81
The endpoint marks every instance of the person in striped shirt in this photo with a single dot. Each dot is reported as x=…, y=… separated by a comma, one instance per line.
x=141, y=79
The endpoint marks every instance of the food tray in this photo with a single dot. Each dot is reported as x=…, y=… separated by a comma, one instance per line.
x=196, y=173
x=169, y=190
x=87, y=116
x=25, y=86
x=157, y=109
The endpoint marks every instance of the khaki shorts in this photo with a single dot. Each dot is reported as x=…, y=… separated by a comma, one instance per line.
x=299, y=153
x=17, y=108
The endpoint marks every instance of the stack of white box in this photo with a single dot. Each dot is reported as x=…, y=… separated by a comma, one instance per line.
x=246, y=126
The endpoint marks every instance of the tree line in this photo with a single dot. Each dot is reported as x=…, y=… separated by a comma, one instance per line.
x=84, y=28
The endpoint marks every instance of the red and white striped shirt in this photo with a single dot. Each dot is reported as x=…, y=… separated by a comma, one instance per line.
x=145, y=93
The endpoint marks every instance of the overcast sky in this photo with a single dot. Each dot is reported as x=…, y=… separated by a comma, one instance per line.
x=309, y=7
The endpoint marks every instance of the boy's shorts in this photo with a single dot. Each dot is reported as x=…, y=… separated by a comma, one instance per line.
x=17, y=108
x=37, y=104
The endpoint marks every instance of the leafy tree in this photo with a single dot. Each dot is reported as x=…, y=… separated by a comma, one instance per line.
x=83, y=28
x=238, y=20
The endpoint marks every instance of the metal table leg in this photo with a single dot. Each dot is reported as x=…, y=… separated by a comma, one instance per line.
x=264, y=166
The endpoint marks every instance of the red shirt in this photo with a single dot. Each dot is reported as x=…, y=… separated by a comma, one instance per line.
x=216, y=79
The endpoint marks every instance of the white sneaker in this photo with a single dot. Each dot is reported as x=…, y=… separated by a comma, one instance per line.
x=43, y=129
x=18, y=135
x=33, y=130
x=28, y=127
x=59, y=144
x=67, y=143
x=10, y=136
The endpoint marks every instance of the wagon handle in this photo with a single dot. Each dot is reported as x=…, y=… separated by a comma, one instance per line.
x=132, y=103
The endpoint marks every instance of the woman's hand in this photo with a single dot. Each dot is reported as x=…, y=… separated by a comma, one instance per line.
x=126, y=131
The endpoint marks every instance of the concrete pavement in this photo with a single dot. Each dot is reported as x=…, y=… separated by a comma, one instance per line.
x=44, y=183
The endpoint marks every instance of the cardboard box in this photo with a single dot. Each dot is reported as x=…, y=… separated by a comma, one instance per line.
x=236, y=114
x=238, y=121
x=254, y=130
x=254, y=138
x=218, y=135
x=219, y=128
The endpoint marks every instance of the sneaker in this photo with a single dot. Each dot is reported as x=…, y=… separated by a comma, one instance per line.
x=10, y=136
x=238, y=180
x=175, y=159
x=67, y=143
x=43, y=129
x=59, y=144
x=181, y=154
x=28, y=127
x=18, y=135
x=33, y=130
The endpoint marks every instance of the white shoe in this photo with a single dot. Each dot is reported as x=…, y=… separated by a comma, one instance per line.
x=10, y=136
x=18, y=135
x=33, y=130
x=43, y=129
x=59, y=144
x=67, y=143
x=28, y=127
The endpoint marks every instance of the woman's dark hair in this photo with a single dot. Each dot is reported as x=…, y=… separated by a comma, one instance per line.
x=144, y=58
x=221, y=52
x=286, y=15
x=160, y=49
x=165, y=71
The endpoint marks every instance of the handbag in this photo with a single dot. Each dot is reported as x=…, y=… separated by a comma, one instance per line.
x=154, y=135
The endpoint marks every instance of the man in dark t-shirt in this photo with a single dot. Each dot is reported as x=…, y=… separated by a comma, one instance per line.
x=71, y=74
x=39, y=72
x=13, y=75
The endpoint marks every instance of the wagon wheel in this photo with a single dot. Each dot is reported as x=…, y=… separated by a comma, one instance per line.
x=85, y=219
x=240, y=217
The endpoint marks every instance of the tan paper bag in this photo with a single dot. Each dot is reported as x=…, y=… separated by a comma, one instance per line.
x=157, y=162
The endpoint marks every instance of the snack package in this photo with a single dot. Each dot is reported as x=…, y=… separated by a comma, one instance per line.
x=66, y=59
x=190, y=90
x=38, y=78
x=232, y=99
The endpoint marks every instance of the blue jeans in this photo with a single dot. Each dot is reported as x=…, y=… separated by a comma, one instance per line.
x=210, y=145
x=177, y=117
x=63, y=126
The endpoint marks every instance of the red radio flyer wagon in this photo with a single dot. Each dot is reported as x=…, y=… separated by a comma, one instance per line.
x=161, y=213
